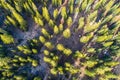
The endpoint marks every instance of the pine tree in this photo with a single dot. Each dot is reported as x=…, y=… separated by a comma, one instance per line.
x=76, y=40
x=69, y=21
x=42, y=39
x=64, y=12
x=45, y=13
x=7, y=39
x=34, y=63
x=20, y=19
x=12, y=21
x=66, y=33
x=55, y=13
x=45, y=33
x=56, y=30
x=84, y=5
x=60, y=47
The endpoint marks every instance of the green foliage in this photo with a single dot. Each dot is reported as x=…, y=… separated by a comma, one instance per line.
x=63, y=12
x=90, y=63
x=53, y=63
x=67, y=33
x=51, y=23
x=46, y=52
x=107, y=19
x=61, y=27
x=3, y=31
x=34, y=51
x=103, y=38
x=55, y=13
x=103, y=30
x=19, y=77
x=34, y=63
x=38, y=21
x=69, y=21
x=81, y=23
x=28, y=8
x=7, y=39
x=109, y=5
x=97, y=5
x=53, y=71
x=112, y=63
x=91, y=50
x=60, y=47
x=45, y=33
x=12, y=21
x=56, y=29
x=90, y=73
x=67, y=52
x=4, y=62
x=102, y=70
x=20, y=20
x=84, y=5
x=24, y=49
x=71, y=9
x=91, y=27
x=69, y=39
x=54, y=2
x=42, y=39
x=47, y=59
x=92, y=17
x=49, y=45
x=107, y=44
x=37, y=78
x=18, y=5
x=78, y=54
x=7, y=73
x=21, y=59
x=45, y=13
x=85, y=39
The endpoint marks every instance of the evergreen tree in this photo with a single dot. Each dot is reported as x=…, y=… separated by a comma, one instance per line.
x=76, y=40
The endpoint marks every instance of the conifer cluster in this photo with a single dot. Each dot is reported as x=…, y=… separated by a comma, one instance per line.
x=78, y=40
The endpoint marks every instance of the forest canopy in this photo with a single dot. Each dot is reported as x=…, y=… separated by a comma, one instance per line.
x=59, y=39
